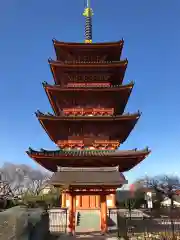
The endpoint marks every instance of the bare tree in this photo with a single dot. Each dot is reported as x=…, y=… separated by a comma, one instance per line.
x=5, y=190
x=139, y=184
x=22, y=178
x=37, y=185
x=164, y=185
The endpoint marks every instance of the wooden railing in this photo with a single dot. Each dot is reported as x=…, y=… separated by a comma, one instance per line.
x=88, y=111
x=88, y=84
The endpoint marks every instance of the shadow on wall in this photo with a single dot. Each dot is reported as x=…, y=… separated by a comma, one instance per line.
x=40, y=230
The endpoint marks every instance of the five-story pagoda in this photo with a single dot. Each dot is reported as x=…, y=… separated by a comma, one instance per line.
x=88, y=124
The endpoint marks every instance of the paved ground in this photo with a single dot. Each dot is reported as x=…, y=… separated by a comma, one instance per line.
x=97, y=236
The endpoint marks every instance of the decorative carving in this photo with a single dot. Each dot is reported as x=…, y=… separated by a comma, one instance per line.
x=70, y=144
x=86, y=100
x=89, y=58
x=89, y=77
x=106, y=144
x=88, y=143
x=84, y=58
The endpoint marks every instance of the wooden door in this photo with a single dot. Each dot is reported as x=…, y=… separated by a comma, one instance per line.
x=90, y=201
x=85, y=203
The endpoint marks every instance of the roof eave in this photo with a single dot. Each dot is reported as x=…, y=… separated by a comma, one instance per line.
x=130, y=129
x=122, y=154
x=52, y=102
x=134, y=116
x=124, y=87
x=121, y=63
x=92, y=45
x=41, y=160
x=43, y=126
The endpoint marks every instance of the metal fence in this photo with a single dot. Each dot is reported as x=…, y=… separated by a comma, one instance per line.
x=57, y=220
x=140, y=225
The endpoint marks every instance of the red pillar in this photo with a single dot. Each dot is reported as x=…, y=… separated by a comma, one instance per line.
x=72, y=213
x=63, y=200
x=113, y=200
x=103, y=213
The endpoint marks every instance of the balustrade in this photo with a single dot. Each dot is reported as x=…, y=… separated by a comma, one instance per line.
x=88, y=85
x=88, y=111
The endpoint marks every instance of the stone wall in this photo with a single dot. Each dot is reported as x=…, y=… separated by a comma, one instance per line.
x=40, y=230
x=20, y=223
x=13, y=223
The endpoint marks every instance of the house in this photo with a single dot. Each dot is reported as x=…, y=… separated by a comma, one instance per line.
x=167, y=202
x=46, y=188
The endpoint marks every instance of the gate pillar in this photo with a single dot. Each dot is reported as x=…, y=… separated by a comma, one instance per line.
x=113, y=200
x=72, y=213
x=63, y=200
x=103, y=213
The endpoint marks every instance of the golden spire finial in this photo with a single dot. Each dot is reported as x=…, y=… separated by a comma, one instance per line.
x=88, y=13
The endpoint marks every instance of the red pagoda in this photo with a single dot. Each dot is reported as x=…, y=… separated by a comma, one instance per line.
x=88, y=124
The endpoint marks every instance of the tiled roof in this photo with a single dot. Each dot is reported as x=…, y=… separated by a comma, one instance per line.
x=119, y=86
x=79, y=177
x=115, y=117
x=89, y=169
x=101, y=44
x=84, y=153
x=75, y=63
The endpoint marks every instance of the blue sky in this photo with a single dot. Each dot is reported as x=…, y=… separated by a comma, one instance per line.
x=152, y=36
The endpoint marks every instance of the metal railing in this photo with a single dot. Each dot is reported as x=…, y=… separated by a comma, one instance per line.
x=58, y=220
x=141, y=225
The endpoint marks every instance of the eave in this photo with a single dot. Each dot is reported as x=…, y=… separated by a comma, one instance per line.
x=63, y=49
x=76, y=64
x=97, y=177
x=63, y=91
x=56, y=125
x=89, y=46
x=119, y=66
x=126, y=160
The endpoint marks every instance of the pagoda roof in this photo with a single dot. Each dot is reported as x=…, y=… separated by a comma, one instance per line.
x=105, y=50
x=56, y=94
x=118, y=68
x=83, y=64
x=85, y=45
x=107, y=176
x=99, y=88
x=70, y=50
x=88, y=158
x=57, y=127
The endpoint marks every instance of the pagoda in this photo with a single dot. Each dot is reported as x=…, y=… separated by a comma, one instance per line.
x=89, y=124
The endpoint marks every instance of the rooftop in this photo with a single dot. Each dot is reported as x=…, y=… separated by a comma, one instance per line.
x=88, y=152
x=107, y=176
x=88, y=158
x=85, y=45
